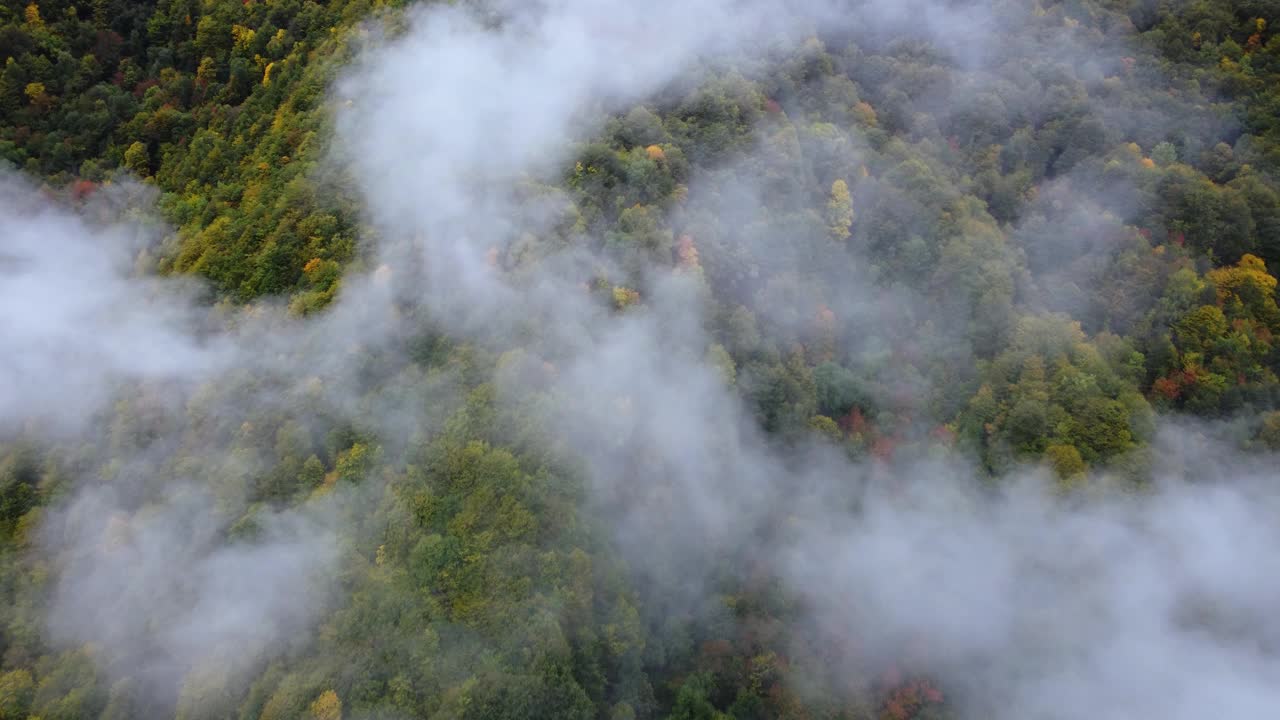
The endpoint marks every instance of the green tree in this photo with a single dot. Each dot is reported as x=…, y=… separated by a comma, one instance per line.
x=16, y=691
x=693, y=701
x=1164, y=154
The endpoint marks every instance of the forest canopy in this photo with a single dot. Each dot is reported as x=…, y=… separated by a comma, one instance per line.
x=685, y=361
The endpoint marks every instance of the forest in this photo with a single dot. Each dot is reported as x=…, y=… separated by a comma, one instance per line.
x=594, y=360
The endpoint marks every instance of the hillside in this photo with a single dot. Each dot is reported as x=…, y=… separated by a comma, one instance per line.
x=751, y=360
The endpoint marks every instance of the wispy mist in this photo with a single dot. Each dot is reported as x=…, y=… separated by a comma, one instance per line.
x=1022, y=601
x=1025, y=603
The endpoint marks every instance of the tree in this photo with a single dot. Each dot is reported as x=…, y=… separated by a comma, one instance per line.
x=1200, y=329
x=137, y=160
x=1269, y=434
x=1248, y=283
x=693, y=701
x=826, y=427
x=1164, y=154
x=640, y=238
x=722, y=361
x=839, y=211
x=1065, y=461
x=327, y=706
x=355, y=463
x=32, y=16
x=1250, y=269
x=35, y=93
x=16, y=691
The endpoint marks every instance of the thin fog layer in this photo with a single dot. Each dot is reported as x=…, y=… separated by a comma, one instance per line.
x=1139, y=606
x=140, y=376
x=1023, y=603
x=164, y=590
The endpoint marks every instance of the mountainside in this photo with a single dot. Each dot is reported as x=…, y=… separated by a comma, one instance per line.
x=478, y=360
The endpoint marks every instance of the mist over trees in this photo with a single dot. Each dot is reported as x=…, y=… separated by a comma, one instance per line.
x=666, y=361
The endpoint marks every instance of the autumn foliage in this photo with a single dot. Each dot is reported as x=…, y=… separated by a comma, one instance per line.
x=907, y=699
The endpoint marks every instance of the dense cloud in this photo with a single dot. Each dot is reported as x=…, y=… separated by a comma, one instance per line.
x=80, y=315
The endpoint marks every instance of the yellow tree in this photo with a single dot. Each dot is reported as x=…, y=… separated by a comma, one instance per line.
x=1251, y=270
x=839, y=211
x=137, y=159
x=327, y=706
x=35, y=93
x=1249, y=287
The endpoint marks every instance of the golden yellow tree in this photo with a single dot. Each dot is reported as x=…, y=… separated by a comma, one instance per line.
x=1251, y=270
x=32, y=16
x=326, y=707
x=839, y=211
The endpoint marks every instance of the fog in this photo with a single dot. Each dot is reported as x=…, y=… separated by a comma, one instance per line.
x=1021, y=601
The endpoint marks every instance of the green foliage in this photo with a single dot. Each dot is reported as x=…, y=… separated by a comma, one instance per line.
x=986, y=315
x=693, y=703
x=180, y=93
x=16, y=690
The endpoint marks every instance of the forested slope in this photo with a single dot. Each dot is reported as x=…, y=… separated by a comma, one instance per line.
x=894, y=256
